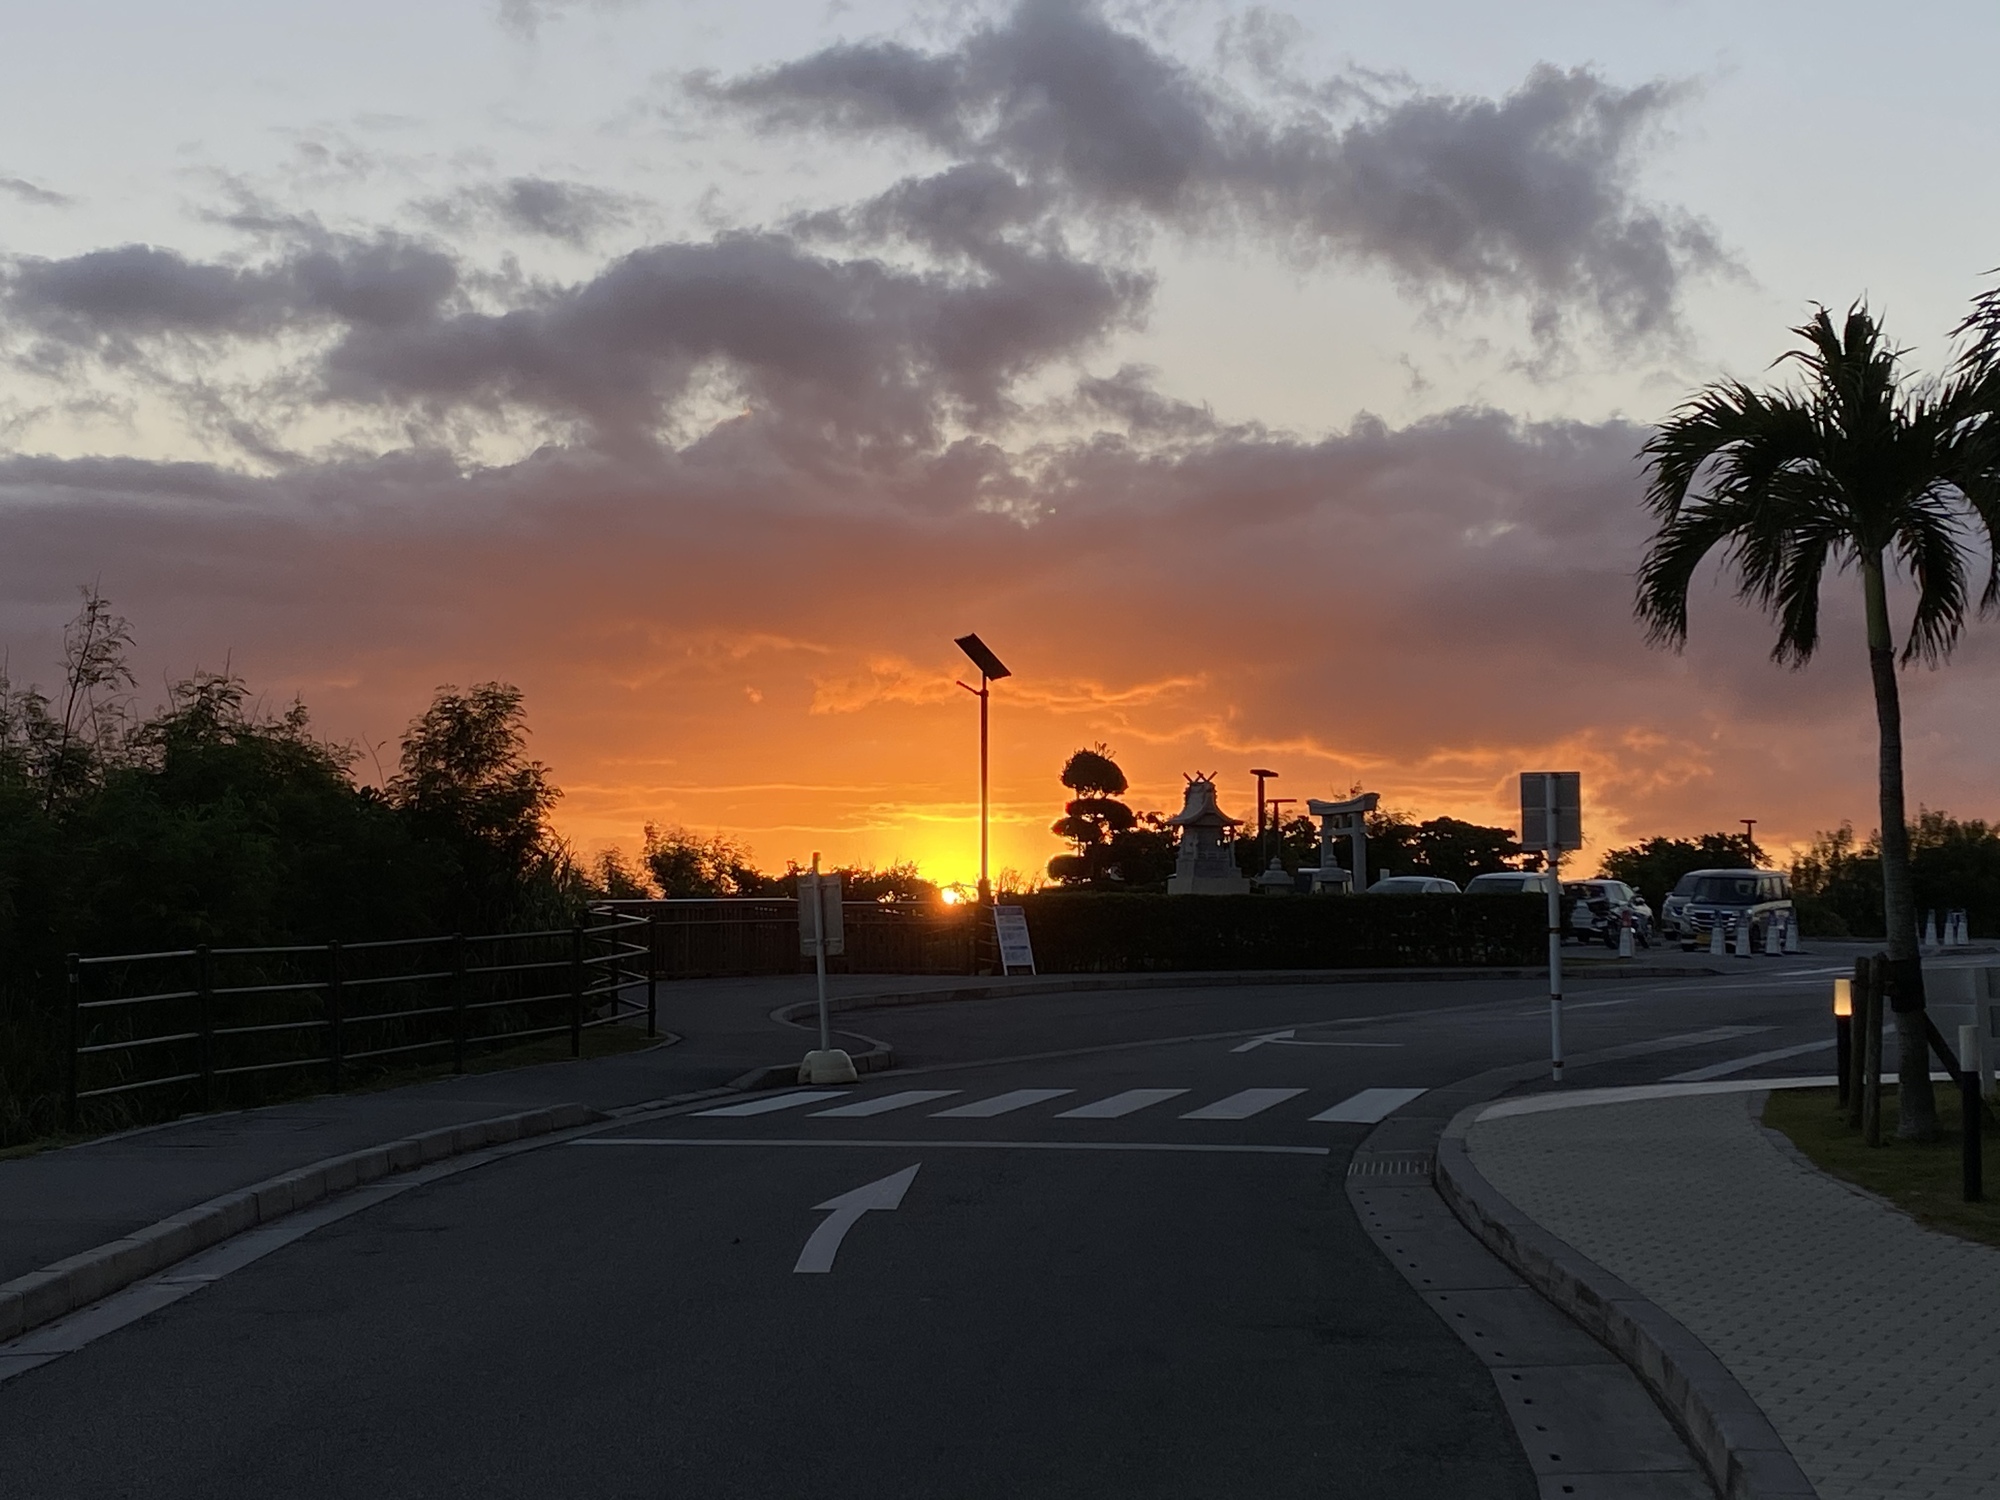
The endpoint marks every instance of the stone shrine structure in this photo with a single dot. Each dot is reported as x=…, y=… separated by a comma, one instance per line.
x=1206, y=865
x=1343, y=820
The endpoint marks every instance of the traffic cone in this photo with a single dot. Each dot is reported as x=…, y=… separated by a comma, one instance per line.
x=1625, y=936
x=1742, y=937
x=1930, y=932
x=1715, y=949
x=1791, y=933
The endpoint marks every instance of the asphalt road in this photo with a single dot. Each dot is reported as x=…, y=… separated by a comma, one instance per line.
x=1125, y=1264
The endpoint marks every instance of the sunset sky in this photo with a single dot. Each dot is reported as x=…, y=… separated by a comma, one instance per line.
x=1263, y=385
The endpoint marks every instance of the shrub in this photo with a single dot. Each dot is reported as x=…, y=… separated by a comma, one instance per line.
x=1088, y=933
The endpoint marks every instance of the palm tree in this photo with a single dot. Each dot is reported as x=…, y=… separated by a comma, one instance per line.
x=1862, y=469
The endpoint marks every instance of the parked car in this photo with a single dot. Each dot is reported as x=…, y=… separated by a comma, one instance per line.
x=1597, y=909
x=1510, y=883
x=1413, y=885
x=1671, y=928
x=1734, y=898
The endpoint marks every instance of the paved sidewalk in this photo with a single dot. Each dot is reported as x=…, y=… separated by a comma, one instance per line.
x=59, y=1203
x=1872, y=1344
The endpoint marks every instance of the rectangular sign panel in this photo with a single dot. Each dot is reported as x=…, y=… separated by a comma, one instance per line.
x=1010, y=925
x=1557, y=826
x=828, y=887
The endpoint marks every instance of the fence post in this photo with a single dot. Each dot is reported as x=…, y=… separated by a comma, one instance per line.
x=1857, y=1049
x=205, y=1024
x=1970, y=1110
x=334, y=1038
x=1871, y=1047
x=458, y=1002
x=71, y=1121
x=652, y=974
x=576, y=990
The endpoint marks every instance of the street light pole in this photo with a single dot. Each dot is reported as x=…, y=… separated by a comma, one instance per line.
x=1263, y=849
x=991, y=670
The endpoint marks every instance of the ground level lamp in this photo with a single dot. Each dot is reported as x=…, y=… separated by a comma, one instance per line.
x=991, y=670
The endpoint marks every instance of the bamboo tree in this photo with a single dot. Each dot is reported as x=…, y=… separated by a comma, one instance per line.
x=1859, y=468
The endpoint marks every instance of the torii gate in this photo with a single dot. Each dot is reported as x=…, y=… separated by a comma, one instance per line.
x=1349, y=818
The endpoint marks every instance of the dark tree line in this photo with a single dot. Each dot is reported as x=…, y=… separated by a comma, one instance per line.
x=210, y=819
x=1115, y=848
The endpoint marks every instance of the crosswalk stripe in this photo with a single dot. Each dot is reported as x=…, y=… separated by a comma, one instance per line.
x=766, y=1106
x=1120, y=1105
x=1368, y=1106
x=862, y=1108
x=1242, y=1106
x=1001, y=1104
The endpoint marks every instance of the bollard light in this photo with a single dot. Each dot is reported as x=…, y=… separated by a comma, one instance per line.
x=1843, y=1038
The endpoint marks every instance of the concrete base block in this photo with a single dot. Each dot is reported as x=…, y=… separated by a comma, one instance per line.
x=830, y=1066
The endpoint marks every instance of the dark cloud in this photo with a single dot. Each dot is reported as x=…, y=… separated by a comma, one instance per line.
x=1528, y=196
x=28, y=192
x=112, y=301
x=572, y=212
x=876, y=350
x=1426, y=608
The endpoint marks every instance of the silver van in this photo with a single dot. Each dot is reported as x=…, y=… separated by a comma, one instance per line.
x=1732, y=898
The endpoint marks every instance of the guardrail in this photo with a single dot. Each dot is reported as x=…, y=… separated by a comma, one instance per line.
x=192, y=1025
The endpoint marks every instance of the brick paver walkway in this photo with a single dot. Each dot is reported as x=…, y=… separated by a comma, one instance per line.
x=1872, y=1344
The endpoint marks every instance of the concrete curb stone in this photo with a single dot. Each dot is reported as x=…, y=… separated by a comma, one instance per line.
x=56, y=1290
x=1736, y=1443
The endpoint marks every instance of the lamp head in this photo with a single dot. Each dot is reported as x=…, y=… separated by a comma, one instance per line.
x=1267, y=775
x=983, y=657
x=1843, y=998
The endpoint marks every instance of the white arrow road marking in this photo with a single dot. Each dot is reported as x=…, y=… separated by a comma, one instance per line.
x=1264, y=1041
x=1291, y=1039
x=844, y=1212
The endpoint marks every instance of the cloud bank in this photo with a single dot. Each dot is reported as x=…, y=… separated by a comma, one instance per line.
x=720, y=503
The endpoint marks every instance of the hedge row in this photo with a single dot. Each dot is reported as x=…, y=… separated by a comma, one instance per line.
x=1089, y=933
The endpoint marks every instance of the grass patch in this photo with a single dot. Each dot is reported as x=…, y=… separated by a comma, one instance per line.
x=1920, y=1177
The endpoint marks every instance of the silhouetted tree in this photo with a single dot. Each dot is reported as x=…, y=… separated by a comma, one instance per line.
x=1656, y=865
x=1092, y=819
x=1864, y=469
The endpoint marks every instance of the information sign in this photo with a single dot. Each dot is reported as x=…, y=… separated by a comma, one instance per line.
x=1010, y=925
x=1562, y=831
x=828, y=891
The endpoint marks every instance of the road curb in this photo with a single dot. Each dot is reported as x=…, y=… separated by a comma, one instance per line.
x=1059, y=984
x=42, y=1296
x=1734, y=1440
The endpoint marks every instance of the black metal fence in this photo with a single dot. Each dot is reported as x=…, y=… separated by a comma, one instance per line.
x=198, y=1027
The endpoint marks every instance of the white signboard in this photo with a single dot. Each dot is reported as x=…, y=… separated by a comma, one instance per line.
x=1552, y=810
x=1010, y=925
x=827, y=889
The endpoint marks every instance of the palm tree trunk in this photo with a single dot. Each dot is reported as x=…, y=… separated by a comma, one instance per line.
x=1916, y=1108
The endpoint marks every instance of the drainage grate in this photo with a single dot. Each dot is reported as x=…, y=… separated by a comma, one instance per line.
x=1391, y=1164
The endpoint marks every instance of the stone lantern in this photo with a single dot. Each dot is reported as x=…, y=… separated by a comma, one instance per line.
x=1206, y=865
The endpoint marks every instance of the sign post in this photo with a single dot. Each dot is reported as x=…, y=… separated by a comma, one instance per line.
x=821, y=932
x=1552, y=821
